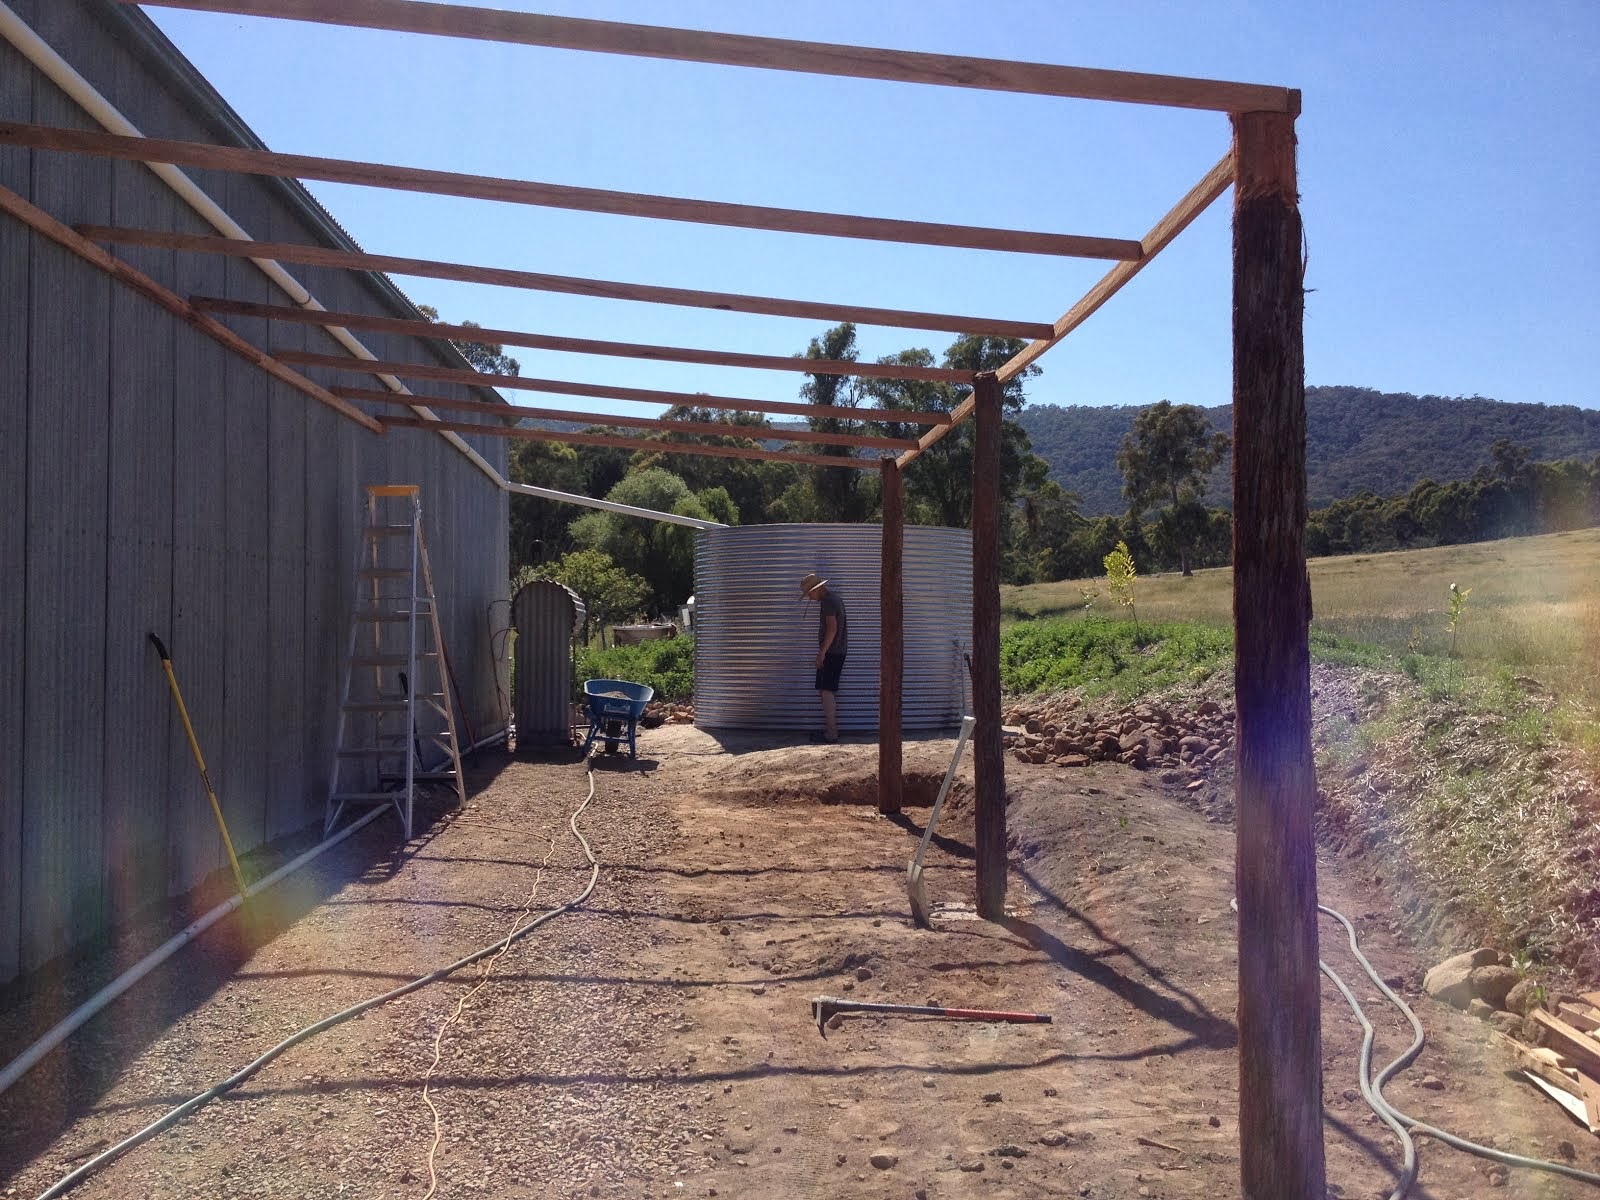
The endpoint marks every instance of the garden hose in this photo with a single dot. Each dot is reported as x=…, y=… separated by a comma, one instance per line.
x=1402, y=1124
x=106, y=1157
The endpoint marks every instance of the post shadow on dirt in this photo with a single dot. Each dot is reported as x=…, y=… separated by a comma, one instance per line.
x=1155, y=973
x=74, y=1076
x=954, y=847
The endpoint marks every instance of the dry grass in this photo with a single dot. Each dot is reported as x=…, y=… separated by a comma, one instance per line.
x=1534, y=607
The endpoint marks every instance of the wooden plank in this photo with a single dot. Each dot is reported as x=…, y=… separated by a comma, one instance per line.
x=555, y=195
x=1183, y=214
x=1582, y=1051
x=1275, y=787
x=42, y=222
x=891, y=639
x=988, y=753
x=1579, y=1018
x=775, y=54
x=602, y=289
x=1546, y=1065
x=1591, y=998
x=572, y=345
x=578, y=438
x=344, y=362
x=703, y=428
x=719, y=403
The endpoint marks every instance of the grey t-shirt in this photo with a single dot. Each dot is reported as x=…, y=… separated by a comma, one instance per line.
x=831, y=606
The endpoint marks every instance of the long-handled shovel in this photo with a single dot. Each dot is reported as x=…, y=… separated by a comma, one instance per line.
x=194, y=745
x=920, y=909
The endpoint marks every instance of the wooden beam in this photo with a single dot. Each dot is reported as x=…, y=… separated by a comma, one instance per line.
x=776, y=54
x=350, y=260
x=1579, y=1050
x=988, y=752
x=665, y=424
x=1182, y=215
x=208, y=156
x=1275, y=786
x=572, y=345
x=560, y=387
x=644, y=396
x=891, y=639
x=43, y=223
x=648, y=445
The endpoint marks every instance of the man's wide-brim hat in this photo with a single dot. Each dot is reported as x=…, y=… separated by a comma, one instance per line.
x=811, y=583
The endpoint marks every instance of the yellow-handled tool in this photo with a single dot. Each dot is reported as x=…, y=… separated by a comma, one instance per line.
x=194, y=745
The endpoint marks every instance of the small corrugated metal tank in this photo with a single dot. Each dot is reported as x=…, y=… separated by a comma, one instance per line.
x=756, y=637
x=546, y=616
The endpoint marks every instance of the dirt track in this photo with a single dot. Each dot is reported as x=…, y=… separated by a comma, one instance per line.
x=659, y=1043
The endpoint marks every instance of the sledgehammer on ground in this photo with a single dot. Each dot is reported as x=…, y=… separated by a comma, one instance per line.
x=824, y=1007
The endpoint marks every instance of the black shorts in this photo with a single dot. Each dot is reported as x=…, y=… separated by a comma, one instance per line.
x=828, y=673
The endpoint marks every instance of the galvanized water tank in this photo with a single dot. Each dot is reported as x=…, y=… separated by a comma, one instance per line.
x=756, y=638
x=546, y=616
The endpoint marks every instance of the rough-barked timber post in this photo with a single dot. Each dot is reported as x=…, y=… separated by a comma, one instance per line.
x=891, y=638
x=988, y=757
x=1280, y=1044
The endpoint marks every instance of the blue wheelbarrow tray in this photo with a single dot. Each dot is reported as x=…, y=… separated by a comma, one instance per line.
x=615, y=701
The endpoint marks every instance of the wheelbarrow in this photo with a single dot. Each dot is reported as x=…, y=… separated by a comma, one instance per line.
x=615, y=706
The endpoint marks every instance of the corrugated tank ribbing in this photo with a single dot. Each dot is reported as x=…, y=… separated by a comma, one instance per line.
x=756, y=636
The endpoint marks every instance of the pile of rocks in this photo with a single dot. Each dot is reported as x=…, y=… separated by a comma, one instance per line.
x=1484, y=982
x=1145, y=736
x=660, y=712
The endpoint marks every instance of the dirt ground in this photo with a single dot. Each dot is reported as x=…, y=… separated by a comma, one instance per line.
x=659, y=1042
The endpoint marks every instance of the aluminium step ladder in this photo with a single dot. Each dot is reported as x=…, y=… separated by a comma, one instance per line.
x=395, y=701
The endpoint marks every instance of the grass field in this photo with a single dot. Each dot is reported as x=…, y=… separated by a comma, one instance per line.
x=1534, y=607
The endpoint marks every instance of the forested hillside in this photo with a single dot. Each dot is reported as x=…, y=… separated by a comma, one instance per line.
x=1357, y=440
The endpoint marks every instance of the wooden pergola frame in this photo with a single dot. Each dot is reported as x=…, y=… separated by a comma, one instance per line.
x=1280, y=1058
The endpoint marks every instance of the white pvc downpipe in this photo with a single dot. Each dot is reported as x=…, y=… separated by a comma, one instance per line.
x=627, y=510
x=20, y=1065
x=63, y=75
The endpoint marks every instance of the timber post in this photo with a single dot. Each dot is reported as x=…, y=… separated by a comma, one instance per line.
x=987, y=752
x=891, y=640
x=1280, y=1043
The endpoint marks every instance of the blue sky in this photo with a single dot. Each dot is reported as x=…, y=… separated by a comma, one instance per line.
x=1449, y=174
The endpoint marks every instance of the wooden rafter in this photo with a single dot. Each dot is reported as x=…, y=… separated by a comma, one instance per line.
x=782, y=408
x=777, y=54
x=594, y=391
x=1183, y=214
x=572, y=345
x=42, y=222
x=664, y=424
x=350, y=260
x=649, y=445
x=554, y=195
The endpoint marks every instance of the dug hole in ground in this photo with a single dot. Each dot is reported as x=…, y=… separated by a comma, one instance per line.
x=659, y=1042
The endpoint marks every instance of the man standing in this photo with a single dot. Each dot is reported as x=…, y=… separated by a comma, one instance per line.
x=832, y=644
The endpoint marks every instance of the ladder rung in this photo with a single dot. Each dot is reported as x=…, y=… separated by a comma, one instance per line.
x=388, y=660
x=393, y=489
x=398, y=618
x=384, y=573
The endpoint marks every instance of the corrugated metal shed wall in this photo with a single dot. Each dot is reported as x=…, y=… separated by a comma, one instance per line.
x=756, y=636
x=158, y=483
x=544, y=614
